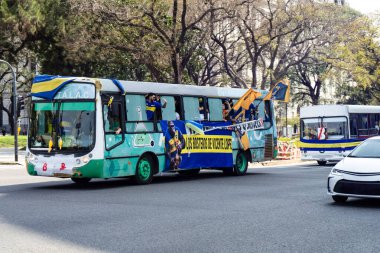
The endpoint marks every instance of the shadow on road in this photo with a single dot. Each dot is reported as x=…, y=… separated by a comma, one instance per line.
x=104, y=184
x=101, y=184
x=359, y=203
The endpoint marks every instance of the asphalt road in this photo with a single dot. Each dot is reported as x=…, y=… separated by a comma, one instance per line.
x=271, y=209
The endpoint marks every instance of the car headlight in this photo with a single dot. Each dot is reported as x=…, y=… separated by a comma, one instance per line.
x=336, y=172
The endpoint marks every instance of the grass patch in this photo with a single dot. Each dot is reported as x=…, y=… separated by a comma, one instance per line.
x=8, y=141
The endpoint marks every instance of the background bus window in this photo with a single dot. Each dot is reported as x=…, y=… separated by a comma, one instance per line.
x=215, y=108
x=373, y=124
x=362, y=125
x=309, y=128
x=136, y=114
x=336, y=128
x=168, y=113
x=353, y=126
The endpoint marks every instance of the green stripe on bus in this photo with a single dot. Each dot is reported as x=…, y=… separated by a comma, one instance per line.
x=78, y=106
x=45, y=107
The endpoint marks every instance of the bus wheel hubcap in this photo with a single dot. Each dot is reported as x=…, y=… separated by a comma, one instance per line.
x=240, y=163
x=144, y=169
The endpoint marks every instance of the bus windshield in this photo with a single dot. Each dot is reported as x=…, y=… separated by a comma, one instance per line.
x=335, y=128
x=69, y=125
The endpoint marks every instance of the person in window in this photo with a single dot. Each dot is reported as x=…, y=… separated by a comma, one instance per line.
x=158, y=110
x=152, y=105
x=226, y=108
x=39, y=142
x=174, y=143
x=201, y=109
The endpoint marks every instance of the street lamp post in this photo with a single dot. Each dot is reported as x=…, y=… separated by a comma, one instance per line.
x=14, y=94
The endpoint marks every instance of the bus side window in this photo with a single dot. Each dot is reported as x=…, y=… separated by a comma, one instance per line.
x=168, y=113
x=178, y=108
x=215, y=108
x=353, y=126
x=373, y=125
x=136, y=114
x=259, y=105
x=112, y=117
x=363, y=125
x=203, y=108
x=191, y=108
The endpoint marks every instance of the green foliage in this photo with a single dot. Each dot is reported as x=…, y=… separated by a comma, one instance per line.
x=8, y=141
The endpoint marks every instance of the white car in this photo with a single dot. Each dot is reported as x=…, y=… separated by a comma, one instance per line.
x=358, y=174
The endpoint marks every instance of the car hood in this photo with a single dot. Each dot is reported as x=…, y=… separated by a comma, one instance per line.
x=359, y=165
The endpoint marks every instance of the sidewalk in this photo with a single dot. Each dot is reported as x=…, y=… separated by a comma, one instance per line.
x=279, y=162
x=7, y=157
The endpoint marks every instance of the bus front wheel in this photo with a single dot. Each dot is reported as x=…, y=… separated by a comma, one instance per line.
x=241, y=164
x=144, y=171
x=83, y=180
x=322, y=163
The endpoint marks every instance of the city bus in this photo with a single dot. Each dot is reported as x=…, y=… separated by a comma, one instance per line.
x=84, y=128
x=330, y=132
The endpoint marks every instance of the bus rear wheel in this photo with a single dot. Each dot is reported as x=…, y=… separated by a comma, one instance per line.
x=241, y=164
x=322, y=163
x=144, y=170
x=83, y=180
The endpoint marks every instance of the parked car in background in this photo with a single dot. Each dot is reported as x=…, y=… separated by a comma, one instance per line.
x=358, y=174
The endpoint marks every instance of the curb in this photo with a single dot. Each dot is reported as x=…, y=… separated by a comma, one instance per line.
x=280, y=163
x=10, y=163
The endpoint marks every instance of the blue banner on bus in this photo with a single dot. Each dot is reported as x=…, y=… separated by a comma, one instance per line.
x=187, y=146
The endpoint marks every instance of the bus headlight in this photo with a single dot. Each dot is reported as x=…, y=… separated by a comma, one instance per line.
x=85, y=159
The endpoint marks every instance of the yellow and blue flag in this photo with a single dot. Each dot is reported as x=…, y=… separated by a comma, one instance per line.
x=46, y=86
x=281, y=92
x=246, y=100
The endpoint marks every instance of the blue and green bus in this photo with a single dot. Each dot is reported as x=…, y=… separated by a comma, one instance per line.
x=84, y=128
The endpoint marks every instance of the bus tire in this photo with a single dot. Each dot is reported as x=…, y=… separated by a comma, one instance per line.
x=83, y=180
x=144, y=170
x=322, y=163
x=192, y=172
x=241, y=164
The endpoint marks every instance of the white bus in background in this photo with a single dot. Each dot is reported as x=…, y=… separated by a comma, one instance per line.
x=330, y=132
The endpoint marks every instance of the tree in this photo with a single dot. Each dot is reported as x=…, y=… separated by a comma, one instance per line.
x=359, y=55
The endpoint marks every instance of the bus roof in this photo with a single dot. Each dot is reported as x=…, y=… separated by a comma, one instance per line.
x=174, y=89
x=45, y=86
x=336, y=110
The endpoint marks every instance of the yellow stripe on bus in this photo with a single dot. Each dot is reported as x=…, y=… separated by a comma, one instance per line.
x=329, y=145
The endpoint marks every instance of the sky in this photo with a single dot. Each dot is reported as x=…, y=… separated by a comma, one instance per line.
x=365, y=6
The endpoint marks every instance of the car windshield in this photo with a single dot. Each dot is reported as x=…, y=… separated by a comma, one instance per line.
x=368, y=149
x=69, y=125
